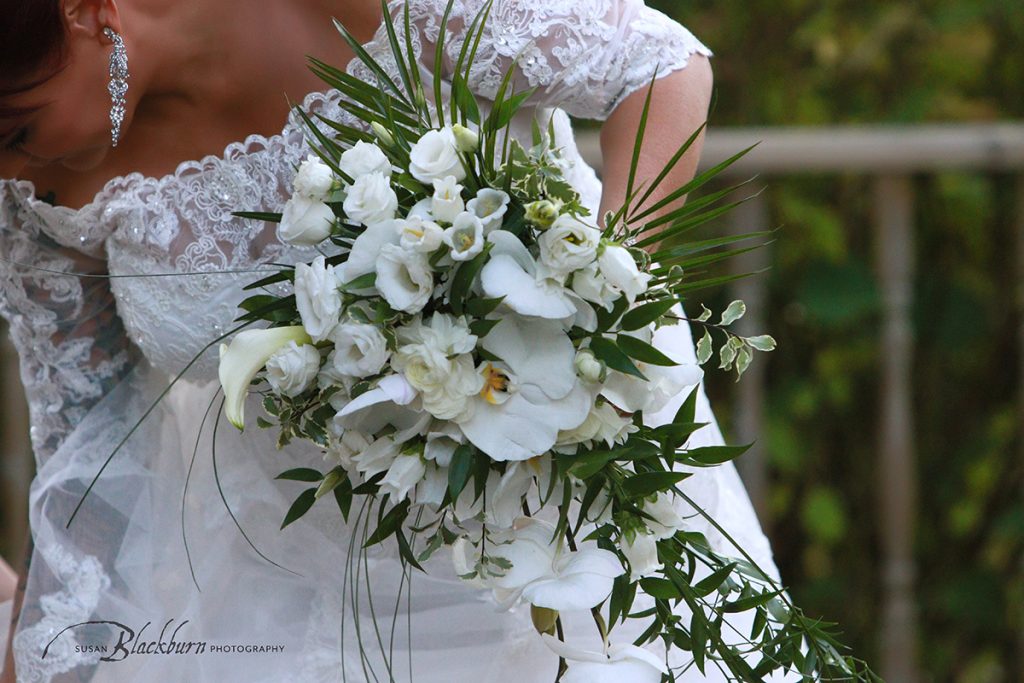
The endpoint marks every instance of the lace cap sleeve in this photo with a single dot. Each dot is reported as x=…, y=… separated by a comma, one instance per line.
x=72, y=345
x=583, y=56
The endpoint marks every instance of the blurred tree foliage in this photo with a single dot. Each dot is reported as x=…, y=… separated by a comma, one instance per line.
x=814, y=62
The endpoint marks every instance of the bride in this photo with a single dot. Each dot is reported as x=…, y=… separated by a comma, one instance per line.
x=121, y=263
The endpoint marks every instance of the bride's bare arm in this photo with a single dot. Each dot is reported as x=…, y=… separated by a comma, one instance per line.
x=7, y=666
x=679, y=105
x=8, y=581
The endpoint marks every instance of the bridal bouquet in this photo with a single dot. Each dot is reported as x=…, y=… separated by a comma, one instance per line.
x=480, y=359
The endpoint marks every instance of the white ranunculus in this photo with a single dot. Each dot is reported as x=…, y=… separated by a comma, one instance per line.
x=420, y=234
x=447, y=202
x=618, y=664
x=404, y=278
x=642, y=553
x=292, y=370
x=511, y=274
x=530, y=395
x=436, y=156
x=465, y=237
x=315, y=179
x=317, y=297
x=371, y=199
x=360, y=350
x=364, y=158
x=620, y=270
x=593, y=287
x=666, y=518
x=603, y=424
x=245, y=356
x=436, y=361
x=404, y=474
x=490, y=206
x=305, y=222
x=547, y=574
x=568, y=245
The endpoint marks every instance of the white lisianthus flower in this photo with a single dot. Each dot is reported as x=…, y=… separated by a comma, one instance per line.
x=364, y=158
x=546, y=574
x=436, y=156
x=511, y=274
x=305, y=222
x=619, y=268
x=589, y=284
x=371, y=199
x=404, y=474
x=436, y=360
x=317, y=297
x=433, y=485
x=466, y=140
x=245, y=356
x=603, y=424
x=465, y=237
x=447, y=202
x=441, y=445
x=315, y=179
x=362, y=258
x=618, y=664
x=344, y=448
x=505, y=494
x=642, y=553
x=490, y=206
x=667, y=520
x=292, y=370
x=404, y=278
x=568, y=245
x=360, y=350
x=420, y=234
x=530, y=395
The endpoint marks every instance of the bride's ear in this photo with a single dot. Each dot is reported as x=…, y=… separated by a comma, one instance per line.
x=88, y=18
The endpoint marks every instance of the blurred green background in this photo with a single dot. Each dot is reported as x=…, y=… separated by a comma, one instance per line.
x=804, y=62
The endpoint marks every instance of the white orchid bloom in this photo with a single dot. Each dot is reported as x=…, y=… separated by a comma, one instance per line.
x=511, y=273
x=490, y=206
x=545, y=573
x=632, y=394
x=465, y=237
x=529, y=396
x=618, y=664
x=244, y=357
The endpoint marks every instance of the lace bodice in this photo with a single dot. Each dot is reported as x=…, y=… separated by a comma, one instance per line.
x=584, y=56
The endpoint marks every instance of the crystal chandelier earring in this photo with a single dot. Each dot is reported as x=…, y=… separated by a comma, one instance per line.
x=118, y=86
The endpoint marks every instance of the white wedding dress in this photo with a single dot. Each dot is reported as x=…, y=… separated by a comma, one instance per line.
x=97, y=352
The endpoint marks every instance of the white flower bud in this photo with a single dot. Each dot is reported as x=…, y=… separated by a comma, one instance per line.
x=466, y=140
x=589, y=368
x=541, y=213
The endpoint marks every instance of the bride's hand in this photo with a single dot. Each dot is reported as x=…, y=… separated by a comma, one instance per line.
x=679, y=106
x=8, y=582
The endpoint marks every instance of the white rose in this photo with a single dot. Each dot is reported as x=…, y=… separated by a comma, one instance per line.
x=360, y=350
x=667, y=520
x=619, y=267
x=305, y=222
x=568, y=245
x=364, y=158
x=317, y=297
x=404, y=278
x=420, y=234
x=642, y=553
x=490, y=207
x=292, y=370
x=371, y=199
x=315, y=179
x=465, y=237
x=591, y=286
x=447, y=202
x=435, y=156
x=405, y=472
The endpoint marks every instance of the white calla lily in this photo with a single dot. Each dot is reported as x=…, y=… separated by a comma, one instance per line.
x=618, y=664
x=531, y=395
x=244, y=357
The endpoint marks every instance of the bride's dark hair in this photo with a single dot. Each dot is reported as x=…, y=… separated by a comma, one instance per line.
x=32, y=43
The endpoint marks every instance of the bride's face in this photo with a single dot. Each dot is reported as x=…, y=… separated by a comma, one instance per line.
x=62, y=116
